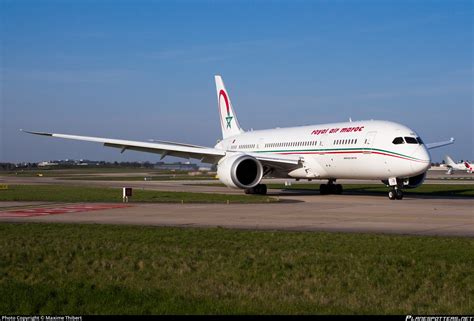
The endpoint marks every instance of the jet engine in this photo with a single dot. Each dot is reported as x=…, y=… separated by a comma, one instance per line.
x=240, y=171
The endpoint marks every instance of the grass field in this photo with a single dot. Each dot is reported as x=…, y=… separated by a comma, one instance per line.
x=96, y=269
x=54, y=172
x=107, y=174
x=63, y=193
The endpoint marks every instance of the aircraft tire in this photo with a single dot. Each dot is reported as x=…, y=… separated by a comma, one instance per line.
x=398, y=194
x=392, y=194
x=323, y=189
x=261, y=189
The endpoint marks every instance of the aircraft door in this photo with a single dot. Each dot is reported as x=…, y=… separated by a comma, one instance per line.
x=369, y=142
x=261, y=143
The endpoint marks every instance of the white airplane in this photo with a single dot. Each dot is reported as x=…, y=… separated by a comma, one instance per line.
x=378, y=150
x=463, y=166
x=46, y=163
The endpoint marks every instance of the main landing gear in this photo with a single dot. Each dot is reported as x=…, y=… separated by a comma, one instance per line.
x=259, y=189
x=330, y=188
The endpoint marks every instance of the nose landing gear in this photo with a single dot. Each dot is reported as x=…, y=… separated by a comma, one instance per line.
x=395, y=193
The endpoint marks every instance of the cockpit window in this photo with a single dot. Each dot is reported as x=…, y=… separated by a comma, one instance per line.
x=411, y=140
x=419, y=141
x=398, y=140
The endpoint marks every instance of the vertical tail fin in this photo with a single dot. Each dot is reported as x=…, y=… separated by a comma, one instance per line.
x=449, y=160
x=229, y=123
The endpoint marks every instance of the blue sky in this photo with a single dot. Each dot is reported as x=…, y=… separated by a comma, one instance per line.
x=144, y=69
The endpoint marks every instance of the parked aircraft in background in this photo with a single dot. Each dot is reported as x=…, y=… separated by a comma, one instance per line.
x=378, y=150
x=46, y=164
x=462, y=166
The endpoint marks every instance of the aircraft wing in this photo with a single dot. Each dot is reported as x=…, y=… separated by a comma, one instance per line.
x=204, y=154
x=439, y=144
x=276, y=158
x=173, y=143
x=276, y=161
x=165, y=148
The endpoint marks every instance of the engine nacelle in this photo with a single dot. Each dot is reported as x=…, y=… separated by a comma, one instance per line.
x=414, y=181
x=240, y=171
x=410, y=182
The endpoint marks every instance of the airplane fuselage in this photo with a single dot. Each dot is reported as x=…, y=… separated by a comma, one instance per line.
x=352, y=150
x=464, y=166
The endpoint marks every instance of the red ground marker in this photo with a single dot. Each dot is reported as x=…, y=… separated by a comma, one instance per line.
x=60, y=210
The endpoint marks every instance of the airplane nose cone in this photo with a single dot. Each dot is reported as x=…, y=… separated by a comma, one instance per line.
x=422, y=160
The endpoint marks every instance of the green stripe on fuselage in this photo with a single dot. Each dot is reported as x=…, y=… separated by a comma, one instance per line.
x=334, y=149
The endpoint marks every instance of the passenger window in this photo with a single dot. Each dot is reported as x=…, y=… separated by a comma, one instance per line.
x=398, y=140
x=411, y=140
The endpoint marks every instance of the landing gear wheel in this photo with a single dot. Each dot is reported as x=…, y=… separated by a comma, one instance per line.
x=323, y=189
x=398, y=194
x=261, y=189
x=392, y=194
